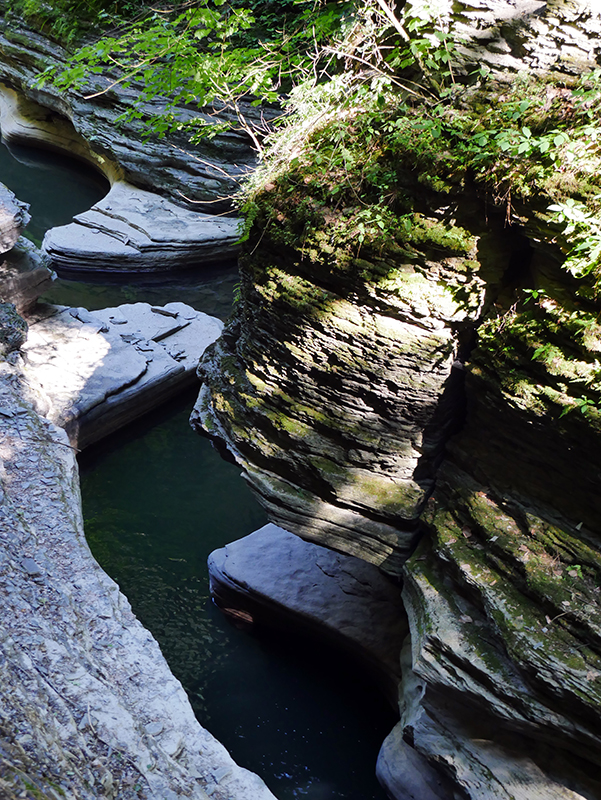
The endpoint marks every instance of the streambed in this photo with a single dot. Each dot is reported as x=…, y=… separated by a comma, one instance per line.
x=157, y=499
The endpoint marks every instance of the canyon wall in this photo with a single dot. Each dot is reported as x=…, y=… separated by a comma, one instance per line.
x=429, y=379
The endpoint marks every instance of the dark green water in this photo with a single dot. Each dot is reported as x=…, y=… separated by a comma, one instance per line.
x=56, y=187
x=157, y=500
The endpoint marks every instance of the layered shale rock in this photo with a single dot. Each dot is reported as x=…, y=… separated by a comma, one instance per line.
x=93, y=372
x=84, y=123
x=88, y=708
x=24, y=276
x=333, y=384
x=132, y=230
x=326, y=390
x=14, y=217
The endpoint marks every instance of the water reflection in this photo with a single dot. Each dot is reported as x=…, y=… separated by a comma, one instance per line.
x=56, y=187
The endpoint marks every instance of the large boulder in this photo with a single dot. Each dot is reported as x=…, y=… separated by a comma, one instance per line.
x=274, y=578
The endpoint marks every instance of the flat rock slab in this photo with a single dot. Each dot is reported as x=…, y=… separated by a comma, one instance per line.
x=132, y=230
x=89, y=707
x=96, y=371
x=275, y=578
x=14, y=217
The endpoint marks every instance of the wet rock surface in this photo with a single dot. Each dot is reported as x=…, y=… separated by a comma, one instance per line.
x=92, y=372
x=89, y=707
x=274, y=578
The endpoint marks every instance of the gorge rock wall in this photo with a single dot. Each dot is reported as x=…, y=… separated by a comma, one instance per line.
x=338, y=387
x=84, y=121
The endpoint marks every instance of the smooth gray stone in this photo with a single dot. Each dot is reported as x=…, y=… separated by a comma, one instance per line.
x=132, y=230
x=92, y=377
x=274, y=577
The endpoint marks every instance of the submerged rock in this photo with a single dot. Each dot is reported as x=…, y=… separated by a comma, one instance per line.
x=89, y=707
x=93, y=372
x=14, y=217
x=274, y=578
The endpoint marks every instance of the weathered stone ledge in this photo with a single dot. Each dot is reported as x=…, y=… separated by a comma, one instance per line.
x=93, y=372
x=89, y=707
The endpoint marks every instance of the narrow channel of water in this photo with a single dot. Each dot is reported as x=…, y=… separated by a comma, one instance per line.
x=157, y=500
x=55, y=186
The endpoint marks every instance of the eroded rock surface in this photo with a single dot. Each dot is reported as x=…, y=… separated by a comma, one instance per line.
x=334, y=383
x=95, y=371
x=89, y=707
x=210, y=171
x=132, y=230
x=14, y=216
x=277, y=579
x=24, y=276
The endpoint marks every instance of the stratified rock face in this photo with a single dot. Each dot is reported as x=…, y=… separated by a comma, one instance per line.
x=274, y=578
x=131, y=230
x=13, y=218
x=209, y=171
x=89, y=708
x=333, y=386
x=93, y=372
x=504, y=602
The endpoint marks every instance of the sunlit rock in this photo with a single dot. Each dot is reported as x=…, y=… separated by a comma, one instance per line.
x=96, y=371
x=89, y=706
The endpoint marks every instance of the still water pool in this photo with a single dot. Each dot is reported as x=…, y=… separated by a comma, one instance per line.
x=157, y=500
x=55, y=186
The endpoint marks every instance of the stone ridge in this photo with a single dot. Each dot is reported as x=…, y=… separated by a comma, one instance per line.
x=210, y=171
x=89, y=707
x=336, y=395
x=93, y=372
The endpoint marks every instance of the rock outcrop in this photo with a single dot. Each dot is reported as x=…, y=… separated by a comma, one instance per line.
x=132, y=230
x=14, y=217
x=89, y=707
x=84, y=124
x=333, y=386
x=274, y=578
x=93, y=372
x=24, y=276
x=334, y=382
